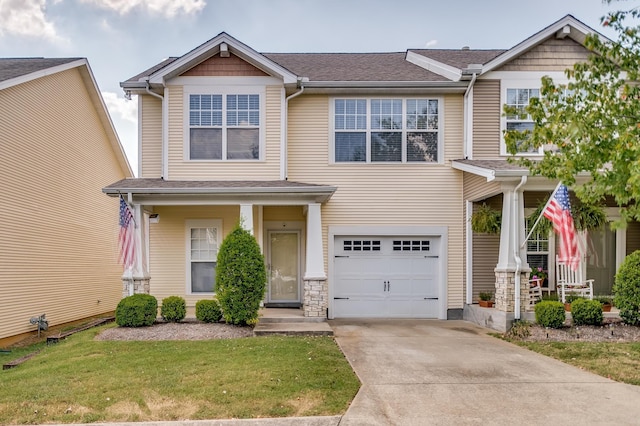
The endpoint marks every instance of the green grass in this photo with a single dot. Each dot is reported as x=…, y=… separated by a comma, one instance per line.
x=82, y=380
x=617, y=361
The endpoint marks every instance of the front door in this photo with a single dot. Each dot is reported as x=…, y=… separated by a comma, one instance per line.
x=284, y=267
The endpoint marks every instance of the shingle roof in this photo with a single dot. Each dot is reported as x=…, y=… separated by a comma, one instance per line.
x=353, y=67
x=156, y=185
x=496, y=165
x=362, y=66
x=17, y=67
x=461, y=58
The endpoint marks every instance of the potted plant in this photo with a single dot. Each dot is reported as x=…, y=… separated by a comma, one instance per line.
x=485, y=299
x=539, y=273
x=486, y=220
x=606, y=302
x=569, y=299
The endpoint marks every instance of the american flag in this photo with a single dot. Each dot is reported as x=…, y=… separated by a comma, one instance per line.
x=558, y=211
x=126, y=237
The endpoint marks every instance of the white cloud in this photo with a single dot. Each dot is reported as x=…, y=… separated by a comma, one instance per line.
x=119, y=106
x=26, y=18
x=124, y=115
x=168, y=8
x=431, y=43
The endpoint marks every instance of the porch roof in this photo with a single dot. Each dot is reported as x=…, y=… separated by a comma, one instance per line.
x=491, y=169
x=176, y=192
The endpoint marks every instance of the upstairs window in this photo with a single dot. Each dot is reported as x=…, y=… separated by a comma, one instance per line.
x=224, y=127
x=519, y=100
x=386, y=130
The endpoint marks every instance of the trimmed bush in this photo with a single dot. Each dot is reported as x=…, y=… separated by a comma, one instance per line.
x=240, y=277
x=208, y=310
x=173, y=309
x=586, y=312
x=626, y=289
x=137, y=310
x=550, y=314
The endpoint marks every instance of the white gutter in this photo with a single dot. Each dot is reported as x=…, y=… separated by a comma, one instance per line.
x=284, y=173
x=165, y=168
x=516, y=246
x=468, y=118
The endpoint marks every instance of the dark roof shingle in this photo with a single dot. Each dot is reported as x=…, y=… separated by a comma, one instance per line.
x=17, y=67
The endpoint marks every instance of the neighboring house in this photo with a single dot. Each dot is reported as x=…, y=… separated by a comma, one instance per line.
x=357, y=173
x=58, y=232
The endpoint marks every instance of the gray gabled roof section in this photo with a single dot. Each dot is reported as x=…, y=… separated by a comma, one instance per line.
x=11, y=68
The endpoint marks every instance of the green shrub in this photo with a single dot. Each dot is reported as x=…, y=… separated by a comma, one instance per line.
x=208, y=310
x=626, y=289
x=137, y=310
x=586, y=312
x=550, y=314
x=173, y=309
x=240, y=277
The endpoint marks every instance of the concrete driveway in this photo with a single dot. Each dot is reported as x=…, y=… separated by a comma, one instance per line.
x=422, y=372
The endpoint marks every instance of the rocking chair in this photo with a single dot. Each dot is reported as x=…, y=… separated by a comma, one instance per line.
x=570, y=281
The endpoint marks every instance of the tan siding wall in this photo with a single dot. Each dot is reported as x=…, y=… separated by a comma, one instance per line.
x=288, y=213
x=58, y=232
x=383, y=194
x=551, y=55
x=477, y=188
x=167, y=253
x=151, y=140
x=179, y=169
x=486, y=119
x=486, y=249
x=633, y=237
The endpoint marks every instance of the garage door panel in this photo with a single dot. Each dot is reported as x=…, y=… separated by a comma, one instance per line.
x=386, y=277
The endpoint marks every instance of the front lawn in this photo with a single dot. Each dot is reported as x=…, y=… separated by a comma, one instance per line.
x=80, y=380
x=617, y=361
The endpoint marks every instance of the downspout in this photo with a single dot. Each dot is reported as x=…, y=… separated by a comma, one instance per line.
x=467, y=117
x=284, y=173
x=516, y=246
x=164, y=148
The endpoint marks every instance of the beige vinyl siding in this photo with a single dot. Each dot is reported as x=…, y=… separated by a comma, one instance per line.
x=167, y=254
x=267, y=169
x=550, y=55
x=283, y=213
x=151, y=138
x=486, y=249
x=383, y=194
x=477, y=188
x=633, y=237
x=58, y=232
x=486, y=119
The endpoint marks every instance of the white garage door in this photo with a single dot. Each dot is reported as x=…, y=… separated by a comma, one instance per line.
x=389, y=277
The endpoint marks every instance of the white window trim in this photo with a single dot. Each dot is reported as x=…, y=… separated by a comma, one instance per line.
x=520, y=80
x=224, y=91
x=368, y=131
x=198, y=223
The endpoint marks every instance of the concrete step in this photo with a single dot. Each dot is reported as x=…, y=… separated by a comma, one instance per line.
x=293, y=328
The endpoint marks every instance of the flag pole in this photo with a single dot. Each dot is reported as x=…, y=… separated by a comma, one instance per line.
x=533, y=228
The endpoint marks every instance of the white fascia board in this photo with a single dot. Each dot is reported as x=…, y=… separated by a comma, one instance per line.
x=538, y=38
x=478, y=171
x=447, y=71
x=42, y=73
x=213, y=46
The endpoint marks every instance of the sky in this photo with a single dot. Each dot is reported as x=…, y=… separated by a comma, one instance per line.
x=121, y=38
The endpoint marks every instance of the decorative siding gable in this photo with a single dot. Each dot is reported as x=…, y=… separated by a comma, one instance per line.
x=551, y=55
x=217, y=66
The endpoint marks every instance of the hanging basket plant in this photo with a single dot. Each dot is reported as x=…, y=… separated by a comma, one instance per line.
x=486, y=220
x=544, y=226
x=588, y=218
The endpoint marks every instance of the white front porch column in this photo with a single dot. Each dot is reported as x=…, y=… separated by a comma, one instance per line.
x=136, y=280
x=316, y=294
x=246, y=217
x=512, y=234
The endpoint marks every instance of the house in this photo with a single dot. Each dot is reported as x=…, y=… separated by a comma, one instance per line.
x=356, y=172
x=58, y=249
